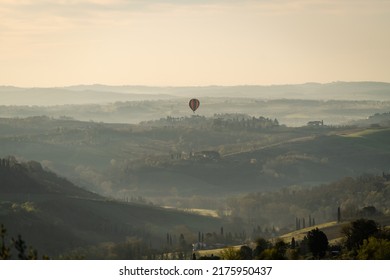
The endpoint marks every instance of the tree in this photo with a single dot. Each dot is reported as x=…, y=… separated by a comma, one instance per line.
x=182, y=242
x=266, y=251
x=317, y=242
x=338, y=214
x=374, y=249
x=21, y=247
x=281, y=248
x=293, y=244
x=358, y=231
x=245, y=253
x=18, y=244
x=261, y=245
x=5, y=251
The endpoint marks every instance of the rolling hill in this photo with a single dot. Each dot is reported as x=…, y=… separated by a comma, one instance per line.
x=293, y=105
x=55, y=216
x=309, y=162
x=153, y=159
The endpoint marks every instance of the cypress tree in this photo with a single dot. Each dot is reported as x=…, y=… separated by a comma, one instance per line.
x=338, y=214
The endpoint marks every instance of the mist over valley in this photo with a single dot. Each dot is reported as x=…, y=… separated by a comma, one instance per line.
x=144, y=171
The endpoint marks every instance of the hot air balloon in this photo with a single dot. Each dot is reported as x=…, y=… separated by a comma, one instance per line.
x=194, y=104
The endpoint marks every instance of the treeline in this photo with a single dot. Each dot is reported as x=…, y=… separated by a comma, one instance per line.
x=16, y=247
x=11, y=163
x=218, y=121
x=31, y=178
x=281, y=208
x=363, y=239
x=133, y=248
x=235, y=122
x=376, y=120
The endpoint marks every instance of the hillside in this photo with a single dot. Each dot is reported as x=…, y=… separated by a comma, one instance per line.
x=310, y=161
x=30, y=179
x=195, y=162
x=291, y=112
x=298, y=207
x=55, y=216
x=333, y=230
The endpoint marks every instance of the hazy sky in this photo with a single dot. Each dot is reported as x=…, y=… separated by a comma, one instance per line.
x=189, y=42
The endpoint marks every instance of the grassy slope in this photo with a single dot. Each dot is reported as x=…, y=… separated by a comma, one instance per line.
x=308, y=161
x=333, y=231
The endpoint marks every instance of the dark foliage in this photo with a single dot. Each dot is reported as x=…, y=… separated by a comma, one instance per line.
x=358, y=231
x=17, y=246
x=317, y=242
x=261, y=245
x=245, y=253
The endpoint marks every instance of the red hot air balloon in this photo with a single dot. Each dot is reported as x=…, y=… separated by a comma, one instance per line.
x=194, y=104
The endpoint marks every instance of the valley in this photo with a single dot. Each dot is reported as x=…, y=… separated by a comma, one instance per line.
x=87, y=180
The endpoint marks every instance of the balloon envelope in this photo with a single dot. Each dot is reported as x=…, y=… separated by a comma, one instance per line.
x=194, y=104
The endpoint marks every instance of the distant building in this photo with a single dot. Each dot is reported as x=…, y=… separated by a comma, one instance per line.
x=316, y=123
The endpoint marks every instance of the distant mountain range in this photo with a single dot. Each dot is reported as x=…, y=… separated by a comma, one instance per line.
x=72, y=96
x=99, y=94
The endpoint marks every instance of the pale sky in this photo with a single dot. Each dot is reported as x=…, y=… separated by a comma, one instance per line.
x=45, y=43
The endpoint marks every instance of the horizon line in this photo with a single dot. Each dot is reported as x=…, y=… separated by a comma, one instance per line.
x=189, y=86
